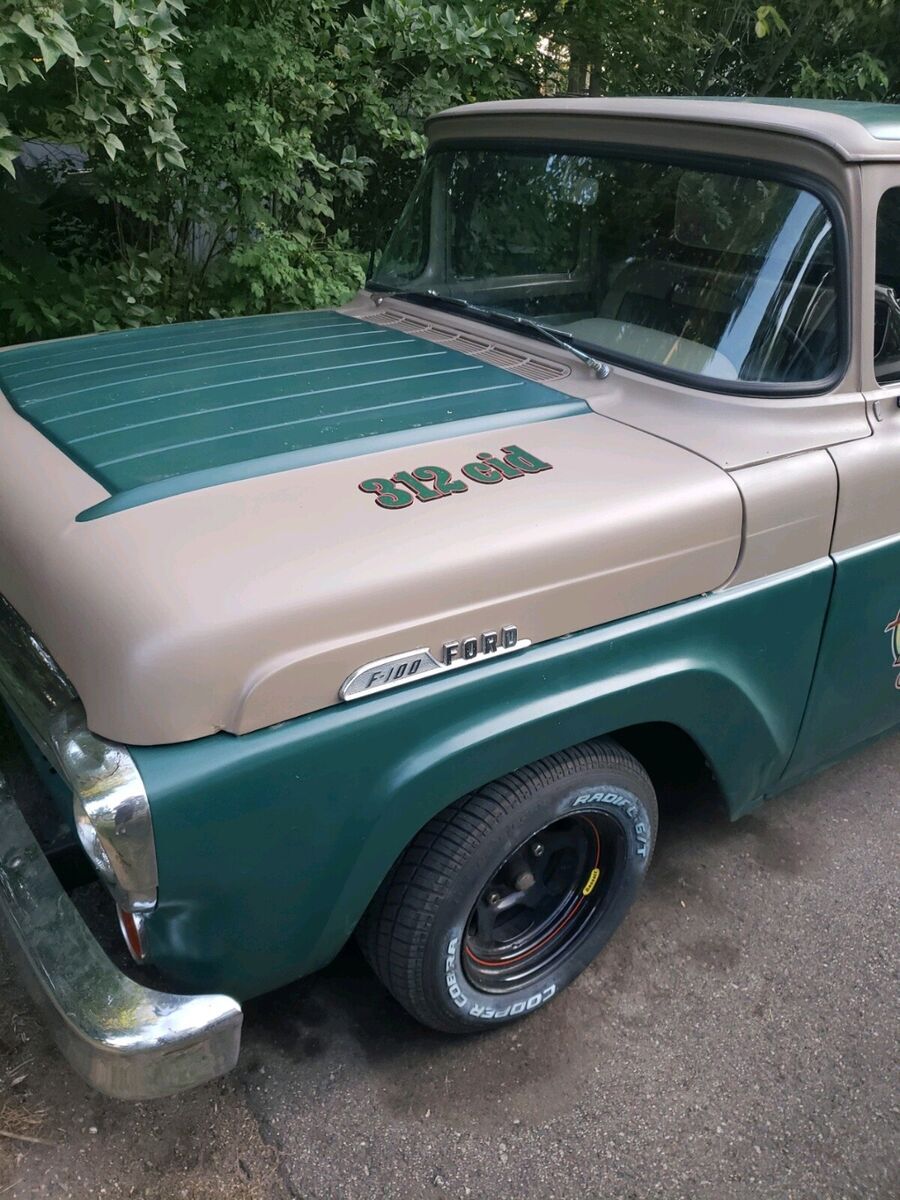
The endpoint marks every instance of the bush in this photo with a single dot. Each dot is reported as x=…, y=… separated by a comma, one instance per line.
x=299, y=131
x=250, y=155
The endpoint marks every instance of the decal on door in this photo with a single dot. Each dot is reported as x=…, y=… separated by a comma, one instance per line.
x=894, y=630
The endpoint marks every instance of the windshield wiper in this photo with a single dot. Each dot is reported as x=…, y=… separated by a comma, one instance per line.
x=565, y=340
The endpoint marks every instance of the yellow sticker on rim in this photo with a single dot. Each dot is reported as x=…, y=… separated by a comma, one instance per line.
x=591, y=883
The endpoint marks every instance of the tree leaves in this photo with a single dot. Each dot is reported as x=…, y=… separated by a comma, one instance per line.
x=73, y=67
x=769, y=20
x=298, y=130
x=248, y=155
x=718, y=47
x=9, y=148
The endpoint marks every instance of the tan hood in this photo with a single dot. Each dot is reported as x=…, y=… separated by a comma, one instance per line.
x=192, y=521
x=236, y=605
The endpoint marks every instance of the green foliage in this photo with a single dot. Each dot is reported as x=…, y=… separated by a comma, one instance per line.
x=96, y=297
x=301, y=129
x=250, y=155
x=819, y=48
x=769, y=20
x=84, y=71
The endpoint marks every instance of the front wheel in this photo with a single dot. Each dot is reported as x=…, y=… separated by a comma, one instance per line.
x=507, y=895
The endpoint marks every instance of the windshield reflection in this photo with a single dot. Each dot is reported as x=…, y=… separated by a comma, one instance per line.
x=719, y=275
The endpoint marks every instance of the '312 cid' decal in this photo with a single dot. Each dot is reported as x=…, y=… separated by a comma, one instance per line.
x=433, y=483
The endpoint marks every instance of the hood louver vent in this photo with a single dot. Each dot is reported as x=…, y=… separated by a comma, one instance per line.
x=539, y=369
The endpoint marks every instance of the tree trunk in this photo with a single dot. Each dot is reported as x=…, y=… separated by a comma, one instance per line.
x=597, y=86
x=576, y=84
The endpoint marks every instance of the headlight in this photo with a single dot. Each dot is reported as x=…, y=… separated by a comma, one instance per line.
x=110, y=806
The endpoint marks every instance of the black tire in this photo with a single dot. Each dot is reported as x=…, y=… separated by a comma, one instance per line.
x=432, y=912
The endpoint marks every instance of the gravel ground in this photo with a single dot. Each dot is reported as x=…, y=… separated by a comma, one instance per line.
x=737, y=1039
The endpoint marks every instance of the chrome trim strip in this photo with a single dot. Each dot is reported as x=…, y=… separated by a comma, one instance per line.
x=128, y=1041
x=419, y=662
x=355, y=687
x=106, y=785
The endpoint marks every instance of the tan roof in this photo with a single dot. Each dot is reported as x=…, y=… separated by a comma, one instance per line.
x=856, y=131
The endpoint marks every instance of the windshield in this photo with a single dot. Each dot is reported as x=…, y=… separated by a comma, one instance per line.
x=720, y=275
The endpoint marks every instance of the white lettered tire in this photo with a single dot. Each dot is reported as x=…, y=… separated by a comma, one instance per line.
x=508, y=894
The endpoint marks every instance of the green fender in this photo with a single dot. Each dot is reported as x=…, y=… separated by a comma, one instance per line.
x=270, y=845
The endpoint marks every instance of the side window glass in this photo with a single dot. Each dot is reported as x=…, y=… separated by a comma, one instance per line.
x=887, y=288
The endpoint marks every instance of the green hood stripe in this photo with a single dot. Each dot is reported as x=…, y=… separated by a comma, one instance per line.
x=255, y=353
x=155, y=412
x=293, y=459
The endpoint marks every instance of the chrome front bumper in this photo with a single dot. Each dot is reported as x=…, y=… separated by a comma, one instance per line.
x=128, y=1041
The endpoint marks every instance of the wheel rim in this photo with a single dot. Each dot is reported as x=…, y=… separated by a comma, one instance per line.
x=542, y=901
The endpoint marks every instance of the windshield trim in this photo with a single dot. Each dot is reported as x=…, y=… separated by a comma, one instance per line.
x=751, y=168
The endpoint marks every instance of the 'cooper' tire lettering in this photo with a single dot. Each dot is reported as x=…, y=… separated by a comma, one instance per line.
x=481, y=1011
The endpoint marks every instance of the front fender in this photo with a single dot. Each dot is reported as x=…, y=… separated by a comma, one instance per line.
x=271, y=845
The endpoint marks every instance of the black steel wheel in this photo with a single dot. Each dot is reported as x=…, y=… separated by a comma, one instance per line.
x=505, y=896
x=542, y=901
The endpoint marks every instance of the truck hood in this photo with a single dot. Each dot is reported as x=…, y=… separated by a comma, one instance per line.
x=182, y=522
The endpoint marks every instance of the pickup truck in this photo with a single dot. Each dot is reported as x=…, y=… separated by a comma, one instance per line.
x=394, y=620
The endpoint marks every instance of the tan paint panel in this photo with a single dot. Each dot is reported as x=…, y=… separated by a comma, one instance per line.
x=789, y=508
x=242, y=605
x=731, y=431
x=841, y=134
x=34, y=475
x=869, y=469
x=869, y=473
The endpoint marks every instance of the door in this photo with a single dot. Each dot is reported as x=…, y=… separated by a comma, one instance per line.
x=856, y=688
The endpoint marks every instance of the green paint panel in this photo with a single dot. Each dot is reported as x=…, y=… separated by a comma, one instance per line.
x=854, y=696
x=153, y=412
x=270, y=845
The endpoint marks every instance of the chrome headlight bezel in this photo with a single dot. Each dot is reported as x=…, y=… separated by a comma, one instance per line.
x=110, y=806
x=111, y=813
x=91, y=843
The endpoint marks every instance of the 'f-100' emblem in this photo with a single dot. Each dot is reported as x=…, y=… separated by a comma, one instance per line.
x=894, y=630
x=415, y=664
